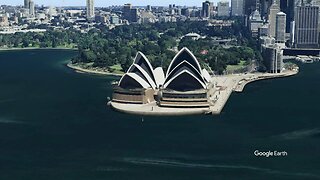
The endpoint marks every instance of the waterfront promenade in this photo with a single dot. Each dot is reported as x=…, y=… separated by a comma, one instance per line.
x=223, y=87
x=99, y=71
x=235, y=83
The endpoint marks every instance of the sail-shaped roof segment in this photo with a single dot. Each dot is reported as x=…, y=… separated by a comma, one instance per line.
x=184, y=74
x=132, y=81
x=134, y=68
x=144, y=63
x=206, y=75
x=184, y=55
x=185, y=65
x=184, y=81
x=140, y=70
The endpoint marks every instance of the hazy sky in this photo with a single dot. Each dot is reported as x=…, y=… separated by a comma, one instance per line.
x=102, y=3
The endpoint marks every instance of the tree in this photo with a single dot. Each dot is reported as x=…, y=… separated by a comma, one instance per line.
x=125, y=64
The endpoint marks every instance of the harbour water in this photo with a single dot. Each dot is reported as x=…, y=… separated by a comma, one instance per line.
x=54, y=124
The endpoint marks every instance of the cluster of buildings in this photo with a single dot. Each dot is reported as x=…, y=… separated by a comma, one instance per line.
x=295, y=23
x=16, y=18
x=300, y=28
x=281, y=25
x=114, y=15
x=7, y=17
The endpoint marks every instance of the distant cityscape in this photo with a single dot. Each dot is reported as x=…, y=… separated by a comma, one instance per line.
x=278, y=25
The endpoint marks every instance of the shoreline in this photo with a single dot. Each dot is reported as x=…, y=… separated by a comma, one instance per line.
x=79, y=69
x=260, y=77
x=35, y=48
x=76, y=68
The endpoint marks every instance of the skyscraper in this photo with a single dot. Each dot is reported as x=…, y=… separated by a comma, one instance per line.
x=317, y=3
x=185, y=12
x=31, y=8
x=237, y=7
x=223, y=8
x=280, y=27
x=306, y=33
x=274, y=9
x=206, y=9
x=127, y=11
x=272, y=56
x=264, y=7
x=134, y=15
x=295, y=3
x=90, y=9
x=255, y=22
x=26, y=4
x=250, y=6
x=130, y=13
x=266, y=4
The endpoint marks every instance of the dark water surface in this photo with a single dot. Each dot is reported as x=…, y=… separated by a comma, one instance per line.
x=54, y=124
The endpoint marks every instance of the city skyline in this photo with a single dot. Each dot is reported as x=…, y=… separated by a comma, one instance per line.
x=101, y=3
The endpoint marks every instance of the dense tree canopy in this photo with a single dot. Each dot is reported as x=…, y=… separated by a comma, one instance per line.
x=104, y=47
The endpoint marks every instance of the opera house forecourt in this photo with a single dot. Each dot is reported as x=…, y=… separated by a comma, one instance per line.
x=184, y=89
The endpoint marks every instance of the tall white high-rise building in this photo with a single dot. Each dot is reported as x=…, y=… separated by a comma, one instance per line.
x=237, y=7
x=223, y=8
x=280, y=27
x=255, y=22
x=316, y=3
x=272, y=54
x=274, y=9
x=31, y=8
x=90, y=9
x=306, y=32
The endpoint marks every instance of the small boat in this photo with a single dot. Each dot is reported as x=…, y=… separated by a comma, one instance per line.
x=108, y=101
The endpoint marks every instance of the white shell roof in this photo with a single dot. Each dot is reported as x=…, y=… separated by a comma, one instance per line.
x=182, y=72
x=137, y=78
x=185, y=65
x=142, y=72
x=206, y=75
x=192, y=60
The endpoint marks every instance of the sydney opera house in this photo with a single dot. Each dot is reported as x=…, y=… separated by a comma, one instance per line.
x=184, y=85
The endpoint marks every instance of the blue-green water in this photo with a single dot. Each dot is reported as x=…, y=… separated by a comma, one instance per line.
x=54, y=124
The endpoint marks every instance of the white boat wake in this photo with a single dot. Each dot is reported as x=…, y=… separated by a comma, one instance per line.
x=174, y=163
x=10, y=121
x=299, y=134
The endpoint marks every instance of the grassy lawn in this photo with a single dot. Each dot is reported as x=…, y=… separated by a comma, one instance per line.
x=116, y=69
x=241, y=65
x=72, y=45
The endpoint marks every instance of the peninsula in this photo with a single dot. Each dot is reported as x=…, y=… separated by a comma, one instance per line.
x=186, y=89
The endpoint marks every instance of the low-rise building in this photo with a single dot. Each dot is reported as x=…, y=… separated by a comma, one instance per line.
x=4, y=21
